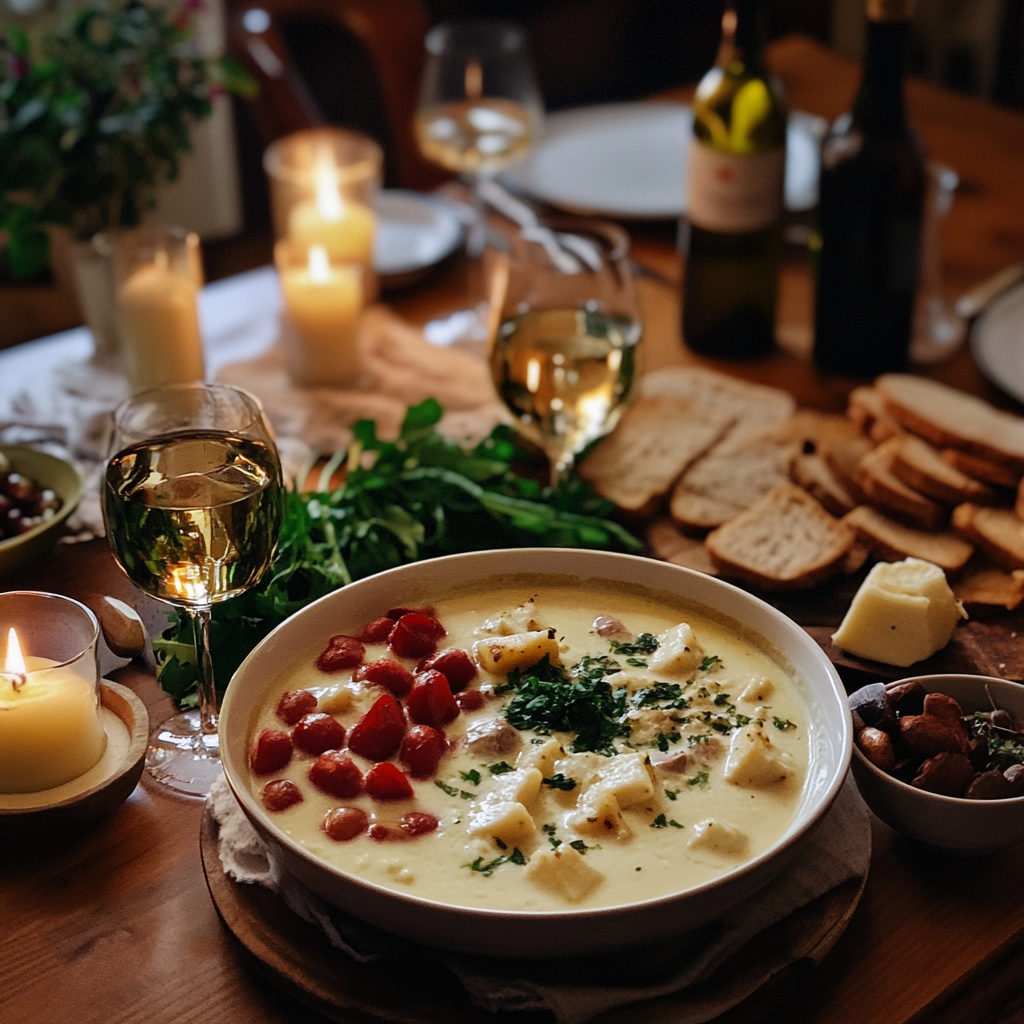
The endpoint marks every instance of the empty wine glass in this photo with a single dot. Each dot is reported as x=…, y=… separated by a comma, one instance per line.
x=564, y=358
x=479, y=112
x=192, y=504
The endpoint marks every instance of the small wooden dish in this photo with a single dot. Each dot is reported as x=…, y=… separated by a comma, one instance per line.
x=100, y=789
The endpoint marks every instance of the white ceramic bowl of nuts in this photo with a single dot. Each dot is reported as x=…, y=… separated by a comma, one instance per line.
x=946, y=775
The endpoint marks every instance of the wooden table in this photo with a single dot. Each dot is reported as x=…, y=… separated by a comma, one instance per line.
x=115, y=924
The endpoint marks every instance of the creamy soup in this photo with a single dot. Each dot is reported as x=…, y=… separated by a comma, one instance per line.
x=608, y=749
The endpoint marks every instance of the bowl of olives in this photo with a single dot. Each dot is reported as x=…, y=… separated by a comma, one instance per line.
x=37, y=493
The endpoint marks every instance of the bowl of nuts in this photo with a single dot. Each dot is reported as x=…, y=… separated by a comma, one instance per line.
x=940, y=759
x=37, y=493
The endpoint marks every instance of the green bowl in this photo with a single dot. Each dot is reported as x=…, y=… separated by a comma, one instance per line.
x=46, y=471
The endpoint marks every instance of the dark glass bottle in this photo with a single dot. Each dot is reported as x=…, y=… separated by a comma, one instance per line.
x=873, y=183
x=733, y=230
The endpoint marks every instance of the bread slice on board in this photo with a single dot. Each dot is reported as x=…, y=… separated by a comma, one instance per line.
x=752, y=406
x=981, y=469
x=731, y=477
x=785, y=541
x=988, y=591
x=866, y=408
x=889, y=494
x=813, y=474
x=893, y=541
x=655, y=441
x=952, y=419
x=842, y=449
x=921, y=467
x=999, y=532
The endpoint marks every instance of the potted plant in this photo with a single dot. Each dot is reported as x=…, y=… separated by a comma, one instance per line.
x=96, y=106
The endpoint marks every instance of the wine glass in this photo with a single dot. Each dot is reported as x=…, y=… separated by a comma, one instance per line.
x=192, y=504
x=564, y=358
x=479, y=112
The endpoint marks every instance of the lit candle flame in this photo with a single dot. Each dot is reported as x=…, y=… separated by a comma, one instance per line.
x=15, y=661
x=328, y=198
x=187, y=582
x=533, y=375
x=319, y=265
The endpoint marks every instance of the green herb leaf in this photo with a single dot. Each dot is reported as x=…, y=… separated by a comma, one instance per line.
x=784, y=725
x=450, y=790
x=500, y=768
x=579, y=846
x=645, y=643
x=671, y=793
x=700, y=779
x=710, y=662
x=472, y=776
x=559, y=781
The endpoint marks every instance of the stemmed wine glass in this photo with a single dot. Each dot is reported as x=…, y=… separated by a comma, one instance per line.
x=192, y=503
x=564, y=358
x=479, y=108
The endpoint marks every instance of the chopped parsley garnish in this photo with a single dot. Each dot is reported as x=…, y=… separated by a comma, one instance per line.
x=645, y=643
x=488, y=869
x=710, y=662
x=670, y=693
x=697, y=738
x=450, y=790
x=549, y=831
x=579, y=846
x=560, y=781
x=517, y=857
x=664, y=739
x=636, y=662
x=783, y=724
x=548, y=700
x=662, y=822
x=704, y=692
x=465, y=795
x=671, y=793
x=500, y=768
x=722, y=699
x=700, y=779
x=500, y=843
x=471, y=776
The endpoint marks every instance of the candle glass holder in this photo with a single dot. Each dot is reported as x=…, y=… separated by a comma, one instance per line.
x=192, y=502
x=323, y=302
x=50, y=726
x=157, y=276
x=322, y=186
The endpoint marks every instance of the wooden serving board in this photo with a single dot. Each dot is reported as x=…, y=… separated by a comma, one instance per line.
x=298, y=958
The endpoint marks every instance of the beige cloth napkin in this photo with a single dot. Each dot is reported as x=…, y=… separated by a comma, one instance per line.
x=838, y=853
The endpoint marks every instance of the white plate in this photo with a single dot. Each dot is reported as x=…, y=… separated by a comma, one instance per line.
x=997, y=342
x=629, y=160
x=414, y=232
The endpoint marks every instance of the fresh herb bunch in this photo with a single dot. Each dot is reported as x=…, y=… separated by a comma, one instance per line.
x=95, y=110
x=418, y=496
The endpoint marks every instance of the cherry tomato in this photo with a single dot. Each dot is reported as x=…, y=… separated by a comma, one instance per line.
x=343, y=823
x=455, y=665
x=386, y=781
x=378, y=734
x=415, y=635
x=422, y=749
x=271, y=752
x=294, y=704
x=336, y=774
x=417, y=823
x=313, y=734
x=395, y=678
x=430, y=701
x=280, y=794
x=376, y=632
x=383, y=834
x=397, y=613
x=341, y=652
x=469, y=700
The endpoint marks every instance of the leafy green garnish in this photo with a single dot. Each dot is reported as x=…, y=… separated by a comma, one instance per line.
x=450, y=790
x=500, y=768
x=645, y=643
x=579, y=846
x=560, y=781
x=662, y=822
x=700, y=779
x=709, y=662
x=671, y=793
x=671, y=694
x=416, y=497
x=664, y=739
x=471, y=776
x=487, y=869
x=783, y=724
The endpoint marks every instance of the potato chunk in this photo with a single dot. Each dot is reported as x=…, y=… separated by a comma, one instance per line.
x=598, y=814
x=500, y=654
x=499, y=818
x=521, y=786
x=719, y=837
x=757, y=691
x=564, y=871
x=627, y=778
x=542, y=757
x=754, y=761
x=678, y=652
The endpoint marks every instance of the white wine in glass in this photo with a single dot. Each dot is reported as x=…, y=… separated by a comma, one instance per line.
x=192, y=505
x=564, y=358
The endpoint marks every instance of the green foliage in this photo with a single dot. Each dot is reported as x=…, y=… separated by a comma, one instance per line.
x=418, y=496
x=94, y=114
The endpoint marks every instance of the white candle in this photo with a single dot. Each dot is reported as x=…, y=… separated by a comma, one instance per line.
x=50, y=729
x=160, y=327
x=323, y=304
x=345, y=228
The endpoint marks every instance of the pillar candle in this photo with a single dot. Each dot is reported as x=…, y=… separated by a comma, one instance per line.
x=345, y=228
x=50, y=728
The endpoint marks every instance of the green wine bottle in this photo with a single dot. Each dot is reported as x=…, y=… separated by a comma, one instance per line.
x=873, y=183
x=733, y=229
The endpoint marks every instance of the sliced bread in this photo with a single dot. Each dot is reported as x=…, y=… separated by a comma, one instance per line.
x=893, y=541
x=921, y=467
x=889, y=494
x=981, y=469
x=785, y=541
x=987, y=590
x=952, y=419
x=731, y=477
x=813, y=474
x=999, y=532
x=866, y=408
x=843, y=449
x=655, y=441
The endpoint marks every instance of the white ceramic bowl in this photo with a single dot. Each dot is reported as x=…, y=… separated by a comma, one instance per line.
x=542, y=934
x=962, y=828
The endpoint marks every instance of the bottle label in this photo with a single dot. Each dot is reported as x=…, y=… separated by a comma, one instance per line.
x=890, y=10
x=734, y=192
